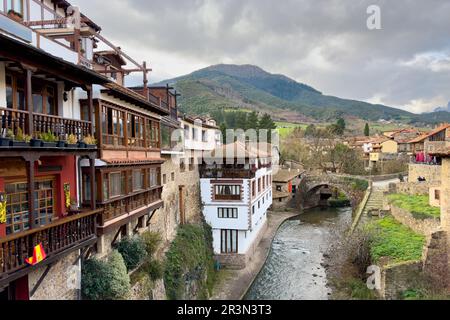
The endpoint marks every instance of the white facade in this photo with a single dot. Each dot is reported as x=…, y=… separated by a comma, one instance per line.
x=198, y=137
x=251, y=210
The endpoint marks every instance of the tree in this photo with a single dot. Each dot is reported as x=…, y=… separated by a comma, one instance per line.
x=267, y=123
x=367, y=130
x=341, y=124
x=311, y=131
x=253, y=121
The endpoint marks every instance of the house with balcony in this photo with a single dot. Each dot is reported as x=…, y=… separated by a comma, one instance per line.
x=41, y=138
x=236, y=191
x=426, y=161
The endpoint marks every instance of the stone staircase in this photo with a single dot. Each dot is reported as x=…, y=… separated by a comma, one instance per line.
x=375, y=201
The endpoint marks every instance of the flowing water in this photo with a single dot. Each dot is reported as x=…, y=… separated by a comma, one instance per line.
x=294, y=269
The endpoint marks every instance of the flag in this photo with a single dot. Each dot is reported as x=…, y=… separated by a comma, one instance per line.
x=39, y=255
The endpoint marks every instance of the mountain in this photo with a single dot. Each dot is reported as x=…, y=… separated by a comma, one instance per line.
x=440, y=109
x=251, y=88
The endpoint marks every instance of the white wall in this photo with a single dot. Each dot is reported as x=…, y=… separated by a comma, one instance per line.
x=2, y=85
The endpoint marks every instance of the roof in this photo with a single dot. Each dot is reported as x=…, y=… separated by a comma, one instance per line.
x=192, y=119
x=131, y=161
x=241, y=150
x=65, y=4
x=430, y=134
x=134, y=97
x=113, y=53
x=286, y=175
x=15, y=50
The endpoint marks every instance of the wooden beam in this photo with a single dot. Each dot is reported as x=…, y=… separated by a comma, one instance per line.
x=41, y=279
x=29, y=100
x=93, y=184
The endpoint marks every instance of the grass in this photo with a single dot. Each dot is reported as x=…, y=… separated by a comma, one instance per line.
x=395, y=241
x=419, y=206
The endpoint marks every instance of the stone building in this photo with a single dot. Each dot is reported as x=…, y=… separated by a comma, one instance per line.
x=285, y=187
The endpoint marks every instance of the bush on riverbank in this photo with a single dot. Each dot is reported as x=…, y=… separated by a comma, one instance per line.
x=418, y=205
x=189, y=272
x=394, y=241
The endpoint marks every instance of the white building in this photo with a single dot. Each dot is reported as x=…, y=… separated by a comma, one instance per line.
x=236, y=196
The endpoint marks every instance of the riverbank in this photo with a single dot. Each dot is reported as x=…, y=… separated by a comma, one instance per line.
x=235, y=283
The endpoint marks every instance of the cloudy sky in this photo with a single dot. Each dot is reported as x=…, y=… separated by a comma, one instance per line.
x=323, y=43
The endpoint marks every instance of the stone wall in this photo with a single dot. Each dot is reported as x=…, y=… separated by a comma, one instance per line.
x=436, y=260
x=445, y=209
x=425, y=227
x=430, y=173
x=412, y=188
x=63, y=281
x=398, y=278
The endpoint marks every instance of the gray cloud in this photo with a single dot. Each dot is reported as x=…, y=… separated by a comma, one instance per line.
x=324, y=43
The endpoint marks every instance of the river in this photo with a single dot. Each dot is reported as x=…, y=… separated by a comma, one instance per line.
x=294, y=269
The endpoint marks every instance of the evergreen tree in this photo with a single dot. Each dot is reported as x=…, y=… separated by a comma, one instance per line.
x=367, y=130
x=253, y=121
x=341, y=124
x=241, y=120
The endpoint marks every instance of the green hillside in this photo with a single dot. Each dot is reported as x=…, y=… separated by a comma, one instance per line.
x=251, y=88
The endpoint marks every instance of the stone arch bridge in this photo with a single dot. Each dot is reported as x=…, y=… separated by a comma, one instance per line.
x=353, y=187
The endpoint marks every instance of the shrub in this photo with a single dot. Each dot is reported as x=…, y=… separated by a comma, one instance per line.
x=154, y=269
x=105, y=280
x=152, y=240
x=133, y=251
x=418, y=205
x=190, y=258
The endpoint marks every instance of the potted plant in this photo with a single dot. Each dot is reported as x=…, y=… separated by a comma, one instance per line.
x=48, y=140
x=90, y=142
x=72, y=141
x=16, y=16
x=7, y=139
x=21, y=140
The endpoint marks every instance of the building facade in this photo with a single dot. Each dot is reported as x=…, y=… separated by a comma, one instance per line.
x=236, y=191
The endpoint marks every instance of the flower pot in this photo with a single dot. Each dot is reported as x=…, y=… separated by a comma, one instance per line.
x=49, y=144
x=72, y=146
x=36, y=143
x=20, y=144
x=91, y=146
x=61, y=144
x=5, y=142
x=82, y=145
x=15, y=17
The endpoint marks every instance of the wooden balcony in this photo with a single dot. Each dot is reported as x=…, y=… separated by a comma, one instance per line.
x=221, y=197
x=61, y=237
x=125, y=207
x=11, y=119
x=437, y=147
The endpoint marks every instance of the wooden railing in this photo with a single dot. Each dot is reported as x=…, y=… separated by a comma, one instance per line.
x=129, y=204
x=227, y=173
x=223, y=197
x=56, y=238
x=14, y=119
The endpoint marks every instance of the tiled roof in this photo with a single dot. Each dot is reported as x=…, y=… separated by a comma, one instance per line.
x=432, y=133
x=285, y=175
x=132, y=161
x=280, y=195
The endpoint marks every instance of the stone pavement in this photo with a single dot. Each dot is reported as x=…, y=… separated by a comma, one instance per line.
x=237, y=282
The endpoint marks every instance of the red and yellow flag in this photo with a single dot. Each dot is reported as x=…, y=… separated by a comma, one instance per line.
x=39, y=255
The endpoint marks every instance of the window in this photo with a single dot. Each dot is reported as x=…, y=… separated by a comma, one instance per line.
x=113, y=126
x=229, y=241
x=194, y=134
x=44, y=101
x=437, y=194
x=187, y=131
x=86, y=188
x=228, y=192
x=259, y=185
x=113, y=185
x=204, y=136
x=138, y=180
x=191, y=164
x=228, y=213
x=135, y=127
x=259, y=204
x=253, y=210
x=182, y=165
x=15, y=92
x=279, y=188
x=173, y=176
x=264, y=183
x=16, y=5
x=17, y=212
x=253, y=189
x=154, y=175
x=164, y=179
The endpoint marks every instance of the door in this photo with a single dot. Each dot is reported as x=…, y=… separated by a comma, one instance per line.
x=182, y=206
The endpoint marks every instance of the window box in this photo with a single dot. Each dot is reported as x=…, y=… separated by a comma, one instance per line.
x=5, y=142
x=60, y=144
x=36, y=143
x=20, y=144
x=71, y=146
x=49, y=144
x=82, y=145
x=91, y=146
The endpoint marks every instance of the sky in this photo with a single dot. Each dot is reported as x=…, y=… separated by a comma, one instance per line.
x=323, y=43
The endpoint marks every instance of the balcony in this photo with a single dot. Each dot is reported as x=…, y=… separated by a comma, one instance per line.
x=437, y=147
x=13, y=120
x=60, y=238
x=206, y=173
x=126, y=207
